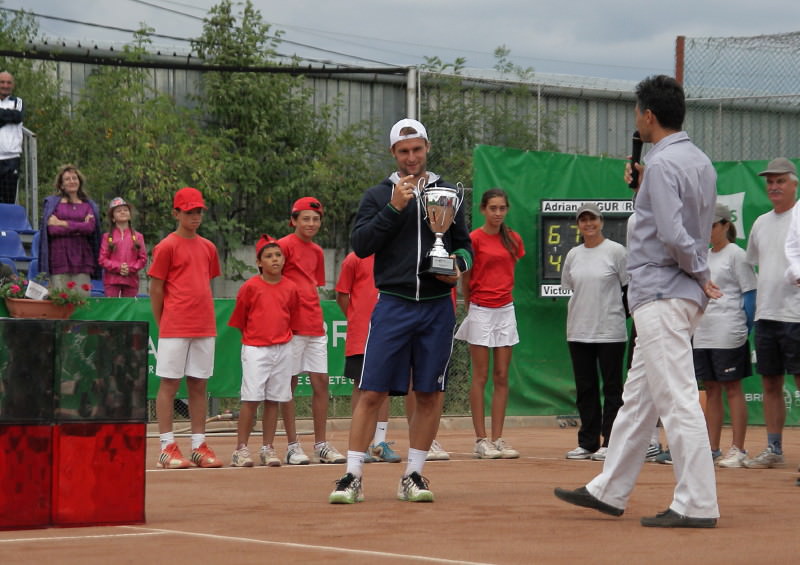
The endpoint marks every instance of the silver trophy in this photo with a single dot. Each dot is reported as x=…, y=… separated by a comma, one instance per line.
x=440, y=204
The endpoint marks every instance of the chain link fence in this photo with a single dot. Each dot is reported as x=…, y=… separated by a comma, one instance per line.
x=743, y=94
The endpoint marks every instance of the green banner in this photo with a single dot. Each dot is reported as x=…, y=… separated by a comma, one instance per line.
x=541, y=380
x=227, y=378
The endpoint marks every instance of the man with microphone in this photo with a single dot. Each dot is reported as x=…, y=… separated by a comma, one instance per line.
x=668, y=291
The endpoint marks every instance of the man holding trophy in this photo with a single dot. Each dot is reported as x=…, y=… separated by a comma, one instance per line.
x=413, y=224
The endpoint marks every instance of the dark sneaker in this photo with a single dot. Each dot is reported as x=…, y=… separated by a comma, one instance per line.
x=582, y=497
x=653, y=451
x=414, y=488
x=671, y=519
x=348, y=490
x=665, y=458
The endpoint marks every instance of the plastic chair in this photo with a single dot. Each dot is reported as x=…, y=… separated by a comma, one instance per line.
x=98, y=288
x=10, y=262
x=15, y=217
x=11, y=245
x=33, y=269
x=35, y=244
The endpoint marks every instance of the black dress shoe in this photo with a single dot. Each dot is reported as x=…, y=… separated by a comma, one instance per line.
x=582, y=497
x=671, y=519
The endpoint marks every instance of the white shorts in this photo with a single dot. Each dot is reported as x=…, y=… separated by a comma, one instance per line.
x=490, y=327
x=310, y=353
x=190, y=356
x=267, y=373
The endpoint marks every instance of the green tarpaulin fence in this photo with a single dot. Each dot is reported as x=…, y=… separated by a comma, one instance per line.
x=540, y=376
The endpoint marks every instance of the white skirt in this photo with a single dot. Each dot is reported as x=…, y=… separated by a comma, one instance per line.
x=490, y=327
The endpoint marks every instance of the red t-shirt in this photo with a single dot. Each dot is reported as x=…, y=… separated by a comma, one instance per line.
x=264, y=312
x=305, y=267
x=356, y=279
x=492, y=276
x=186, y=265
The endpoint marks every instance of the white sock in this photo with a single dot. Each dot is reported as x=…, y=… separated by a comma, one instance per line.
x=198, y=440
x=416, y=461
x=380, y=432
x=355, y=463
x=166, y=439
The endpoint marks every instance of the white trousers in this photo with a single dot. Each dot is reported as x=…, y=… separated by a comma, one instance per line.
x=661, y=383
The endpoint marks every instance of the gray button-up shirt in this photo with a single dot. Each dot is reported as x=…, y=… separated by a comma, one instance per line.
x=668, y=245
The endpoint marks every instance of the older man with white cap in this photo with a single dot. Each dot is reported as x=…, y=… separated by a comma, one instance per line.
x=411, y=330
x=777, y=328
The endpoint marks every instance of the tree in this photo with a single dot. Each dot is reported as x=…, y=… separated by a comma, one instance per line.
x=460, y=115
x=278, y=145
x=135, y=142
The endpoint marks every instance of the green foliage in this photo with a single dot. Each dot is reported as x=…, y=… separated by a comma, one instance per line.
x=135, y=142
x=458, y=116
x=46, y=111
x=278, y=146
x=256, y=141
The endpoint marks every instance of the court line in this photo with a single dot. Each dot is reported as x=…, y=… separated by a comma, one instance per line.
x=304, y=546
x=82, y=538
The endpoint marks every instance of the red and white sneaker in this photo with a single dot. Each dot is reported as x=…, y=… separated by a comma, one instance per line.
x=172, y=458
x=204, y=457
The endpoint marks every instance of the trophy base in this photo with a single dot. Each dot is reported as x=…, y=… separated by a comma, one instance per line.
x=438, y=266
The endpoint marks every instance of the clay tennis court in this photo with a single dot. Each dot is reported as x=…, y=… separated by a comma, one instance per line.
x=499, y=512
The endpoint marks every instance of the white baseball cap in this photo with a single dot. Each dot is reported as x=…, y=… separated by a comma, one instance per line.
x=394, y=135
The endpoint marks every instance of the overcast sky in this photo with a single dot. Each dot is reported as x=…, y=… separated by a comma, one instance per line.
x=622, y=39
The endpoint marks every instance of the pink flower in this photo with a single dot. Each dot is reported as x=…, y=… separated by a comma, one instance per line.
x=15, y=288
x=86, y=287
x=63, y=295
x=71, y=284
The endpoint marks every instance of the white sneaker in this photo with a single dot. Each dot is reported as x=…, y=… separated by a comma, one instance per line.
x=506, y=451
x=268, y=457
x=295, y=455
x=326, y=453
x=485, y=449
x=414, y=488
x=348, y=490
x=599, y=455
x=437, y=453
x=734, y=458
x=579, y=453
x=241, y=458
x=765, y=460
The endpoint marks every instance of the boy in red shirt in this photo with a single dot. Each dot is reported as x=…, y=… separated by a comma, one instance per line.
x=266, y=307
x=183, y=308
x=356, y=295
x=305, y=266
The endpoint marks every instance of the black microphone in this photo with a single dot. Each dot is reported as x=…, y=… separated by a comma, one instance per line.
x=636, y=156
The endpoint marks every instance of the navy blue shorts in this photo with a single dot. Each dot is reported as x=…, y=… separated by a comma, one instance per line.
x=777, y=348
x=408, y=340
x=723, y=365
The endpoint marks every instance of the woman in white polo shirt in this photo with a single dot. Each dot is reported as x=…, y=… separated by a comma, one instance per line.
x=596, y=273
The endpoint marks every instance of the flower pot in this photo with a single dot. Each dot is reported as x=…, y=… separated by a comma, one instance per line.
x=43, y=309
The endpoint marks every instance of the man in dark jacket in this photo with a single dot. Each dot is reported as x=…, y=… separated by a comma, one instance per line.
x=411, y=331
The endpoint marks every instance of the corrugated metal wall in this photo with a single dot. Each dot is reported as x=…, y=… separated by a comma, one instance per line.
x=591, y=121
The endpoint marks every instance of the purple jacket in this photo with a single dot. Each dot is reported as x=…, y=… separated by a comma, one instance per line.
x=50, y=204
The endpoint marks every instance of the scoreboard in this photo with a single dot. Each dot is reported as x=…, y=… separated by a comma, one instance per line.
x=558, y=233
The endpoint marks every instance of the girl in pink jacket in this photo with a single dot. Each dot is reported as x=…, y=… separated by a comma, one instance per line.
x=122, y=252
